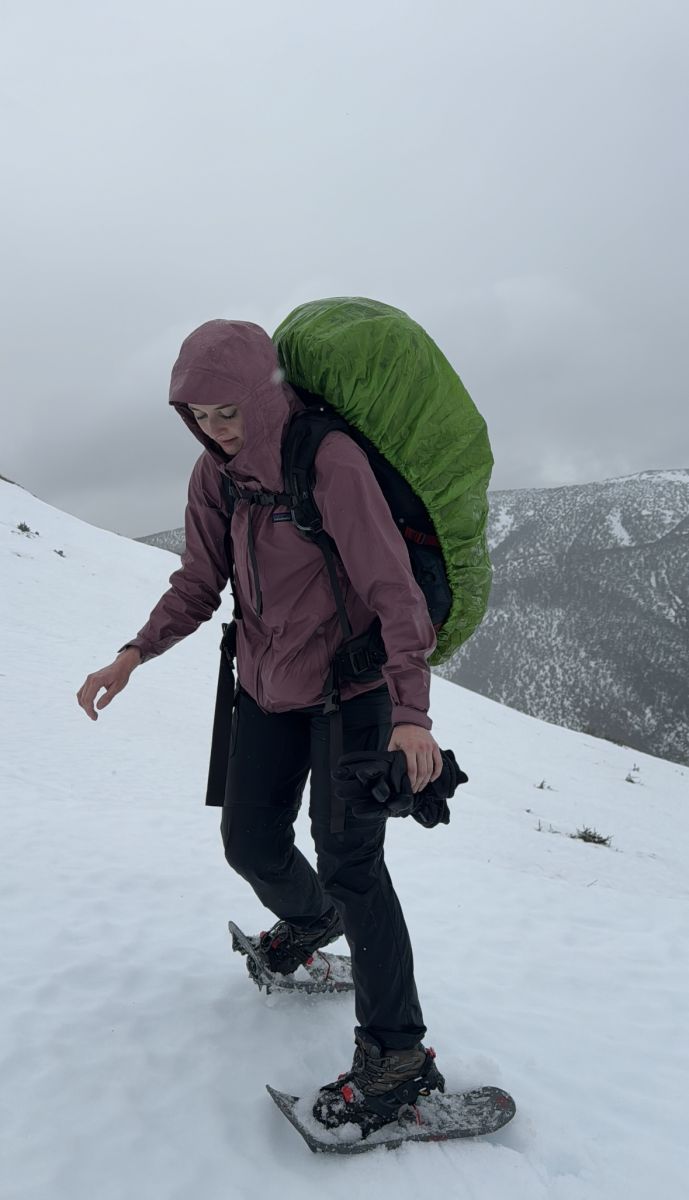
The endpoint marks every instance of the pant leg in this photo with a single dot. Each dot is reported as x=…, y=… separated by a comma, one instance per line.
x=352, y=869
x=268, y=765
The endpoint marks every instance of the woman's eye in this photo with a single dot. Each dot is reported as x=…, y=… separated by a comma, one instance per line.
x=225, y=416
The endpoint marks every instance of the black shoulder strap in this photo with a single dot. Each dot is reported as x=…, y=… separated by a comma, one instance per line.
x=304, y=435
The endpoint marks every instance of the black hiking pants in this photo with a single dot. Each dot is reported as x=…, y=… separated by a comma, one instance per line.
x=270, y=758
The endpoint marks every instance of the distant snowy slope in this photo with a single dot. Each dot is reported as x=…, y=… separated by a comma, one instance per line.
x=133, y=1047
x=167, y=539
x=588, y=623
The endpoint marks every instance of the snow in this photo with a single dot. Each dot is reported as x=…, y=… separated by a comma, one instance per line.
x=674, y=476
x=501, y=526
x=134, y=1049
x=668, y=476
x=620, y=534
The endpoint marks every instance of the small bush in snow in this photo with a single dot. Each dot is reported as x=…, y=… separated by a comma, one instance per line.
x=22, y=527
x=590, y=835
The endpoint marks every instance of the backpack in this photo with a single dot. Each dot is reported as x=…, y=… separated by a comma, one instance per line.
x=378, y=376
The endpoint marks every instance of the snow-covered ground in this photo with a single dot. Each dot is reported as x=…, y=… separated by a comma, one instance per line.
x=135, y=1049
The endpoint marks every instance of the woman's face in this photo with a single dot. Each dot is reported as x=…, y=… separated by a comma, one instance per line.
x=223, y=423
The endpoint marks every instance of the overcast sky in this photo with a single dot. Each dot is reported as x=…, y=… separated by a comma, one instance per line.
x=512, y=174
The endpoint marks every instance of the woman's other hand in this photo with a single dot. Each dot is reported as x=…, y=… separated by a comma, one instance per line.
x=112, y=678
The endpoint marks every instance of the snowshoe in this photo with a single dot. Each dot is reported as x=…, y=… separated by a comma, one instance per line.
x=439, y=1117
x=317, y=972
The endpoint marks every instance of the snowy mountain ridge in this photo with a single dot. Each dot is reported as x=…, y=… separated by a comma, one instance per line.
x=588, y=623
x=134, y=1049
x=629, y=510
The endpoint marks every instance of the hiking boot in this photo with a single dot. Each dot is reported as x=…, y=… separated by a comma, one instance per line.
x=286, y=947
x=380, y=1084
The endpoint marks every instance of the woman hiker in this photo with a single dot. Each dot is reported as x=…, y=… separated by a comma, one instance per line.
x=230, y=392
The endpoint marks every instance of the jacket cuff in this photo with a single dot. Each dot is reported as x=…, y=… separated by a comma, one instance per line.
x=404, y=715
x=142, y=646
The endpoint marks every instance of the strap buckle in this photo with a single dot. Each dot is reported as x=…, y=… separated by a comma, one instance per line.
x=359, y=660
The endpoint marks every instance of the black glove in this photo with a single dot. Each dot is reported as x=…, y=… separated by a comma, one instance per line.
x=431, y=804
x=375, y=783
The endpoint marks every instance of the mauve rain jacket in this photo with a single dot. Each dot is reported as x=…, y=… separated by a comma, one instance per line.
x=283, y=654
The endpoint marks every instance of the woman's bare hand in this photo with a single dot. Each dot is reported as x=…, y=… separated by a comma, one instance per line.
x=422, y=752
x=113, y=679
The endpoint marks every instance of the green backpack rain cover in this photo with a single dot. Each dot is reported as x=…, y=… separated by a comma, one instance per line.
x=380, y=371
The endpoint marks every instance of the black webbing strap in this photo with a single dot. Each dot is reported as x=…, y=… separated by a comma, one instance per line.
x=225, y=693
x=353, y=661
x=321, y=539
x=333, y=709
x=222, y=720
x=333, y=701
x=257, y=495
x=338, y=808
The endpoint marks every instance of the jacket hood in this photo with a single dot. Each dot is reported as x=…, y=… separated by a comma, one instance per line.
x=235, y=362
